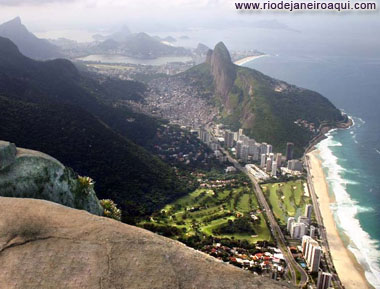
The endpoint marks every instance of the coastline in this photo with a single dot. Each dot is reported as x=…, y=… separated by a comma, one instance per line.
x=350, y=272
x=247, y=59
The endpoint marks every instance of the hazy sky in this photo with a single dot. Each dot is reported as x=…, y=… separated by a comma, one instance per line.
x=210, y=20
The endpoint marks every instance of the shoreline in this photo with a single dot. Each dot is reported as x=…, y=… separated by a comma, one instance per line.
x=350, y=272
x=247, y=59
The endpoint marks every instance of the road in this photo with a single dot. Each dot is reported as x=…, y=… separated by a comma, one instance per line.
x=324, y=243
x=276, y=230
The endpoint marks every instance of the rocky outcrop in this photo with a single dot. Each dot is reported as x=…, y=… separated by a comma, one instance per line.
x=222, y=70
x=31, y=174
x=7, y=154
x=45, y=245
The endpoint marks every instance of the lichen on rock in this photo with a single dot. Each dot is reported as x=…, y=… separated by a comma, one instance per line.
x=31, y=174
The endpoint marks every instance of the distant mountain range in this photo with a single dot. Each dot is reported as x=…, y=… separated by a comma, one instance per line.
x=265, y=108
x=27, y=42
x=139, y=45
x=51, y=107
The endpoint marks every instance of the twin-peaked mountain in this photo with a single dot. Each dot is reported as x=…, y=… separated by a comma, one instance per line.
x=51, y=107
x=28, y=43
x=265, y=108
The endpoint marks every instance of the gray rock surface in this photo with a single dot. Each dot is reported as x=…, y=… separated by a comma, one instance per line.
x=31, y=174
x=7, y=154
x=46, y=245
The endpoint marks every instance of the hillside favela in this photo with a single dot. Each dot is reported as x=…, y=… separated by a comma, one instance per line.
x=189, y=144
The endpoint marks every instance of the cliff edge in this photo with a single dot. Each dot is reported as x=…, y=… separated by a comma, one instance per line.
x=46, y=245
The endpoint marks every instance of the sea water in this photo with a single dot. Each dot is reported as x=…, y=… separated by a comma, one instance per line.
x=351, y=157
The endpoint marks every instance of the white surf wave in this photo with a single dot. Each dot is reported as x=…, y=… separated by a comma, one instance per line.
x=346, y=210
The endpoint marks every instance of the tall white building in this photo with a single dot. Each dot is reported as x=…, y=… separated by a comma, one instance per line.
x=274, y=169
x=269, y=149
x=324, y=280
x=291, y=220
x=269, y=164
x=279, y=159
x=297, y=230
x=239, y=145
x=263, y=160
x=312, y=253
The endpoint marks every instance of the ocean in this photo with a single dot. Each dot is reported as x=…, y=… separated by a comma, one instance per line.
x=350, y=158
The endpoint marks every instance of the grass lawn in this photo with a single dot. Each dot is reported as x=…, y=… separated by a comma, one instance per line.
x=205, y=210
x=286, y=199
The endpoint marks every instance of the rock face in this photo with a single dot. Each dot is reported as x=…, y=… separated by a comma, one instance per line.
x=222, y=70
x=45, y=245
x=266, y=109
x=31, y=174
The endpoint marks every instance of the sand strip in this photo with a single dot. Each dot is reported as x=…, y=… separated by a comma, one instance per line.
x=248, y=59
x=349, y=271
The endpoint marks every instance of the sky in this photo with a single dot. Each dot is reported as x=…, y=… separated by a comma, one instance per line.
x=207, y=20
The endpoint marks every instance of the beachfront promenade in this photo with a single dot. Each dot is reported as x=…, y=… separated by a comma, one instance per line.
x=322, y=230
x=338, y=256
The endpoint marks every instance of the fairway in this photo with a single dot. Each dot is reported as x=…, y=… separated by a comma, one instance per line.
x=286, y=199
x=206, y=210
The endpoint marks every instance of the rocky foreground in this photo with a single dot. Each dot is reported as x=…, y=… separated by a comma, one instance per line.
x=46, y=245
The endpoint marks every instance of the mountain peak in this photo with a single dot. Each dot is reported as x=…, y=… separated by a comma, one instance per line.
x=222, y=51
x=222, y=69
x=16, y=21
x=26, y=41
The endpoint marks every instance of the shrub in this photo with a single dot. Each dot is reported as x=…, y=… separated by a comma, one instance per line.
x=110, y=209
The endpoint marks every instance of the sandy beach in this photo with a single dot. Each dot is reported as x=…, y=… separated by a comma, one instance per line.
x=248, y=59
x=349, y=271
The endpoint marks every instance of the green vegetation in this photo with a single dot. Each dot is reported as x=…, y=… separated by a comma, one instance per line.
x=230, y=211
x=286, y=199
x=110, y=209
x=264, y=107
x=50, y=107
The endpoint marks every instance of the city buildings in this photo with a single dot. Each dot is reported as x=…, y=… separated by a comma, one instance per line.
x=312, y=231
x=274, y=169
x=289, y=151
x=308, y=210
x=324, y=280
x=295, y=165
x=312, y=253
x=229, y=138
x=291, y=220
x=269, y=149
x=263, y=160
x=279, y=159
x=297, y=230
x=269, y=164
x=305, y=220
x=244, y=153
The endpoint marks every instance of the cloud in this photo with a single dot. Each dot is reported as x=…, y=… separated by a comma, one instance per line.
x=31, y=2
